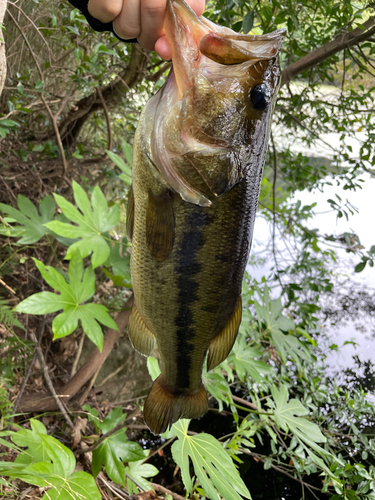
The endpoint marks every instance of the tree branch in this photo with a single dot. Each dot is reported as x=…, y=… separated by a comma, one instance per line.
x=83, y=109
x=319, y=55
x=42, y=402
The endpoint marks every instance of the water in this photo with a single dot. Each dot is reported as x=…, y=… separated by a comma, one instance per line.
x=361, y=223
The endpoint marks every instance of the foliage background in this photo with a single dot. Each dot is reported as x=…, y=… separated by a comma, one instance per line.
x=69, y=110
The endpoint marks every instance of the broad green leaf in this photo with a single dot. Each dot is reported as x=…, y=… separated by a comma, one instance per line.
x=79, y=288
x=139, y=472
x=118, y=260
x=248, y=21
x=80, y=486
x=128, y=152
x=276, y=324
x=32, y=225
x=93, y=221
x=114, y=417
x=212, y=465
x=243, y=359
x=114, y=451
x=153, y=367
x=288, y=417
x=48, y=463
x=217, y=385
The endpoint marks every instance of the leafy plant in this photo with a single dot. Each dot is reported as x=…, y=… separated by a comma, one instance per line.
x=117, y=449
x=75, y=289
x=93, y=220
x=212, y=465
x=125, y=167
x=47, y=463
x=7, y=316
x=31, y=226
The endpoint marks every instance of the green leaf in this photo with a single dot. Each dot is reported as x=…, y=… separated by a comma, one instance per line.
x=48, y=463
x=139, y=471
x=288, y=416
x=93, y=221
x=212, y=465
x=153, y=367
x=114, y=451
x=31, y=225
x=360, y=267
x=79, y=288
x=245, y=363
x=128, y=152
x=118, y=260
x=248, y=22
x=126, y=176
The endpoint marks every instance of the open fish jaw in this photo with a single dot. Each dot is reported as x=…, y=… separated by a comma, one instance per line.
x=206, y=103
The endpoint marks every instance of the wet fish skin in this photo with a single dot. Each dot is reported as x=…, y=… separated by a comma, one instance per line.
x=198, y=159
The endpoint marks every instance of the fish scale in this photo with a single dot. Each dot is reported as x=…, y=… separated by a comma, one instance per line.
x=198, y=160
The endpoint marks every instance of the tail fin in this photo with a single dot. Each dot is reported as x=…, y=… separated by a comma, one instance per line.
x=163, y=408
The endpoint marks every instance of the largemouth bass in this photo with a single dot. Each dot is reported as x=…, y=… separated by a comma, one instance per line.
x=198, y=159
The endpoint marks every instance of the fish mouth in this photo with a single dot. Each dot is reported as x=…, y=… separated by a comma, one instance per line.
x=190, y=37
x=203, y=55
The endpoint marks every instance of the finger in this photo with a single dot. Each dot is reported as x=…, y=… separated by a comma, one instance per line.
x=105, y=11
x=128, y=23
x=162, y=48
x=152, y=20
x=197, y=6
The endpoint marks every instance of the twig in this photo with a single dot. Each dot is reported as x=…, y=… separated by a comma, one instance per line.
x=27, y=375
x=279, y=469
x=110, y=433
x=58, y=138
x=160, y=448
x=7, y=287
x=35, y=26
x=161, y=489
x=114, y=489
x=49, y=382
x=53, y=118
x=109, y=147
x=116, y=371
x=78, y=355
x=275, y=172
x=244, y=402
x=134, y=481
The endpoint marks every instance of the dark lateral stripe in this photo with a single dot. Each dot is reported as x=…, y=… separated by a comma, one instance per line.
x=188, y=269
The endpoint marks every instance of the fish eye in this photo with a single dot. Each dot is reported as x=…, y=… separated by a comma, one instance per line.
x=260, y=96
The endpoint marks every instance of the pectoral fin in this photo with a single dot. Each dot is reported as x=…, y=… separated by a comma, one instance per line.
x=221, y=345
x=130, y=215
x=160, y=225
x=140, y=335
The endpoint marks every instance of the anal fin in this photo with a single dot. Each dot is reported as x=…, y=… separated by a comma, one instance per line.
x=222, y=344
x=140, y=335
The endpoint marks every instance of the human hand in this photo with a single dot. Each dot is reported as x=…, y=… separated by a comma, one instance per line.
x=141, y=19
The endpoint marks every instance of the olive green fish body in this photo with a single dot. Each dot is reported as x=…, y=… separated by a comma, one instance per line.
x=198, y=160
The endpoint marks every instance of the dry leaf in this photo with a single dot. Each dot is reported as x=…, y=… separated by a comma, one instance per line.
x=79, y=427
